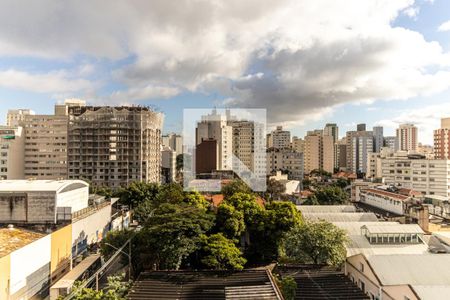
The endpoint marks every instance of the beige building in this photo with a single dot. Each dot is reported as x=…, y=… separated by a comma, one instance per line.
x=298, y=144
x=319, y=152
x=407, y=137
x=168, y=164
x=15, y=117
x=114, y=146
x=429, y=176
x=442, y=140
x=174, y=141
x=279, y=138
x=11, y=152
x=359, y=147
x=46, y=145
x=285, y=160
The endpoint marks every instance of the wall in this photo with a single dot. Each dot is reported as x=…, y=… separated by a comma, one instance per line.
x=76, y=199
x=5, y=267
x=399, y=292
x=61, y=247
x=89, y=230
x=41, y=207
x=390, y=205
x=352, y=270
x=30, y=269
x=13, y=207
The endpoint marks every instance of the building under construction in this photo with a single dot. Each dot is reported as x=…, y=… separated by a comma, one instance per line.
x=114, y=146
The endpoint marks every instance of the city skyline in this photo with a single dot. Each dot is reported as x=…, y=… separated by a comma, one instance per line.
x=380, y=63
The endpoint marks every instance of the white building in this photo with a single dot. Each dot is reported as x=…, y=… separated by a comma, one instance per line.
x=174, y=141
x=168, y=164
x=359, y=147
x=41, y=201
x=11, y=152
x=384, y=200
x=291, y=186
x=425, y=175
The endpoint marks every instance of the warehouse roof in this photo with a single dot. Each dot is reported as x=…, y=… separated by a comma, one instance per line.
x=432, y=292
x=40, y=185
x=13, y=239
x=326, y=208
x=387, y=194
x=341, y=217
x=414, y=269
x=400, y=228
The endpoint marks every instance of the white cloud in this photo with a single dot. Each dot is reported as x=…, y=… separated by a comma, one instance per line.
x=297, y=58
x=412, y=11
x=444, y=26
x=52, y=82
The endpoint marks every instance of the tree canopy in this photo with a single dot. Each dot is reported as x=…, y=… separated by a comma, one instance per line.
x=235, y=186
x=316, y=242
x=329, y=195
x=220, y=253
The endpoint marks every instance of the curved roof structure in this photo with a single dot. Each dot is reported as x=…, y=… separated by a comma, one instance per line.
x=56, y=186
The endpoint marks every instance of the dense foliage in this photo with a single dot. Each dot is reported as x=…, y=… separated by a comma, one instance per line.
x=287, y=285
x=117, y=289
x=316, y=242
x=328, y=195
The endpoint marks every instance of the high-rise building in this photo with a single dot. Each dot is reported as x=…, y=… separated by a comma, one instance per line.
x=243, y=146
x=442, y=140
x=341, y=154
x=359, y=147
x=331, y=129
x=215, y=126
x=285, y=160
x=378, y=139
x=407, y=139
x=279, y=138
x=174, y=141
x=319, y=152
x=298, y=144
x=390, y=142
x=15, y=117
x=361, y=127
x=114, y=146
x=46, y=145
x=168, y=164
x=11, y=152
x=206, y=156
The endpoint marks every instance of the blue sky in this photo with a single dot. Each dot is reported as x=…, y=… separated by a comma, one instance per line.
x=345, y=65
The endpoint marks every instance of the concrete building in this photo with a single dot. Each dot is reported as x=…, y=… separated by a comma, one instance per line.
x=206, y=157
x=415, y=172
x=291, y=186
x=341, y=154
x=287, y=161
x=390, y=142
x=15, y=117
x=407, y=137
x=12, y=143
x=331, y=129
x=298, y=144
x=114, y=146
x=359, y=147
x=174, y=141
x=384, y=200
x=425, y=150
x=41, y=201
x=243, y=144
x=442, y=140
x=215, y=127
x=319, y=152
x=168, y=165
x=378, y=138
x=279, y=138
x=46, y=145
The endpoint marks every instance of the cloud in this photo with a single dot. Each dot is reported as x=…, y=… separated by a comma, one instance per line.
x=412, y=12
x=298, y=59
x=444, y=26
x=52, y=82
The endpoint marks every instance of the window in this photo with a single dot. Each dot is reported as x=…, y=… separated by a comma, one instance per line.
x=361, y=267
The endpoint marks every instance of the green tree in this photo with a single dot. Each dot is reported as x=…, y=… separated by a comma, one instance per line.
x=342, y=183
x=179, y=162
x=196, y=199
x=330, y=195
x=173, y=233
x=116, y=289
x=235, y=186
x=275, y=189
x=246, y=203
x=137, y=192
x=230, y=221
x=316, y=242
x=287, y=285
x=170, y=193
x=220, y=253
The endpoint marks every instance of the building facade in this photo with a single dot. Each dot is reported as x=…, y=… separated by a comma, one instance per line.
x=378, y=138
x=11, y=152
x=359, y=148
x=15, y=117
x=407, y=137
x=279, y=138
x=286, y=160
x=174, y=141
x=442, y=140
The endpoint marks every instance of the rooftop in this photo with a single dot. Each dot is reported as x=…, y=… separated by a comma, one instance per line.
x=388, y=194
x=341, y=217
x=395, y=228
x=13, y=239
x=38, y=185
x=326, y=208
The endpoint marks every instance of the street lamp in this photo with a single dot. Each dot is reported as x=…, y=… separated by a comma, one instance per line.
x=127, y=254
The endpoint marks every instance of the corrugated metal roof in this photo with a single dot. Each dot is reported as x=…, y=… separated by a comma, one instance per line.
x=341, y=217
x=432, y=292
x=326, y=208
x=414, y=269
x=400, y=228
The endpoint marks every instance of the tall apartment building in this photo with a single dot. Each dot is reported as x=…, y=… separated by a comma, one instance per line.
x=11, y=152
x=174, y=141
x=215, y=127
x=168, y=164
x=319, y=152
x=341, y=154
x=242, y=145
x=46, y=145
x=331, y=129
x=298, y=144
x=15, y=117
x=285, y=160
x=359, y=147
x=407, y=137
x=378, y=138
x=390, y=142
x=114, y=146
x=279, y=138
x=429, y=176
x=442, y=140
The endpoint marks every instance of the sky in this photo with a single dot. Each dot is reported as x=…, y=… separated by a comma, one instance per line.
x=308, y=63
